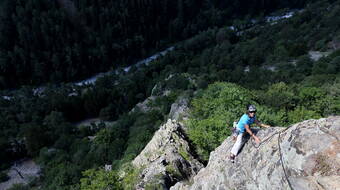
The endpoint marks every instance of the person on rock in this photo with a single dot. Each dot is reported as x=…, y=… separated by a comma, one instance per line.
x=244, y=125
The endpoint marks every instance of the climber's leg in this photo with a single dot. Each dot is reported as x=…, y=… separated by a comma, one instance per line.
x=237, y=144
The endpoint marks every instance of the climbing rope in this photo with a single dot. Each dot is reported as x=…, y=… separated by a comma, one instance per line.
x=281, y=157
x=264, y=141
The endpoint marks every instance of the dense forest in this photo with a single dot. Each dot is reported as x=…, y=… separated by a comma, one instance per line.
x=63, y=40
x=218, y=68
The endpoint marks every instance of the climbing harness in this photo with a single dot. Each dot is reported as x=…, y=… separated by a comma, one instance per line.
x=281, y=158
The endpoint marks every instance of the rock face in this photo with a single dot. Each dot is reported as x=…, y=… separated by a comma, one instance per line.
x=166, y=159
x=316, y=55
x=179, y=110
x=22, y=172
x=143, y=106
x=310, y=153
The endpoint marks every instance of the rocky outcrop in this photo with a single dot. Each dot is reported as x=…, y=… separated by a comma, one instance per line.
x=179, y=109
x=310, y=151
x=334, y=44
x=316, y=55
x=22, y=172
x=144, y=106
x=147, y=106
x=166, y=159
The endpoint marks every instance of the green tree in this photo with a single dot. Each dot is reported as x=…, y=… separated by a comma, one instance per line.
x=320, y=67
x=304, y=65
x=95, y=100
x=56, y=122
x=279, y=96
x=108, y=113
x=334, y=65
x=301, y=113
x=212, y=112
x=99, y=179
x=35, y=138
x=314, y=99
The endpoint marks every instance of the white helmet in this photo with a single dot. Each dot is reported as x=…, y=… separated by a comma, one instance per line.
x=251, y=108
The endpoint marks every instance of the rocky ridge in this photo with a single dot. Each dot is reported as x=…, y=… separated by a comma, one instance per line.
x=310, y=154
x=166, y=159
x=310, y=151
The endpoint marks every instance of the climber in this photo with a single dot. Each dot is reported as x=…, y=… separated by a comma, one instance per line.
x=244, y=125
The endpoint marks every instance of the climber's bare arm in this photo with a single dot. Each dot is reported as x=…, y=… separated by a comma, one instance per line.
x=261, y=124
x=251, y=133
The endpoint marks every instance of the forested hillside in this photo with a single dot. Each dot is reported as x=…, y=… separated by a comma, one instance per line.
x=61, y=40
x=219, y=69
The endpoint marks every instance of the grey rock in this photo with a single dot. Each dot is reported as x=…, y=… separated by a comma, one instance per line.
x=166, y=159
x=310, y=153
x=22, y=172
x=179, y=110
x=316, y=55
x=144, y=106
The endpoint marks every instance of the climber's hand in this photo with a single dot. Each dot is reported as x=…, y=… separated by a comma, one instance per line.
x=257, y=140
x=264, y=125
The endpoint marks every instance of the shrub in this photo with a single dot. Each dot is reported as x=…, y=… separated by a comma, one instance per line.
x=131, y=176
x=301, y=113
x=278, y=96
x=99, y=179
x=177, y=82
x=19, y=187
x=212, y=111
x=3, y=177
x=108, y=113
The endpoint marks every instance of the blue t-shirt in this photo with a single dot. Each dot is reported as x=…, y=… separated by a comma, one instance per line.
x=245, y=119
